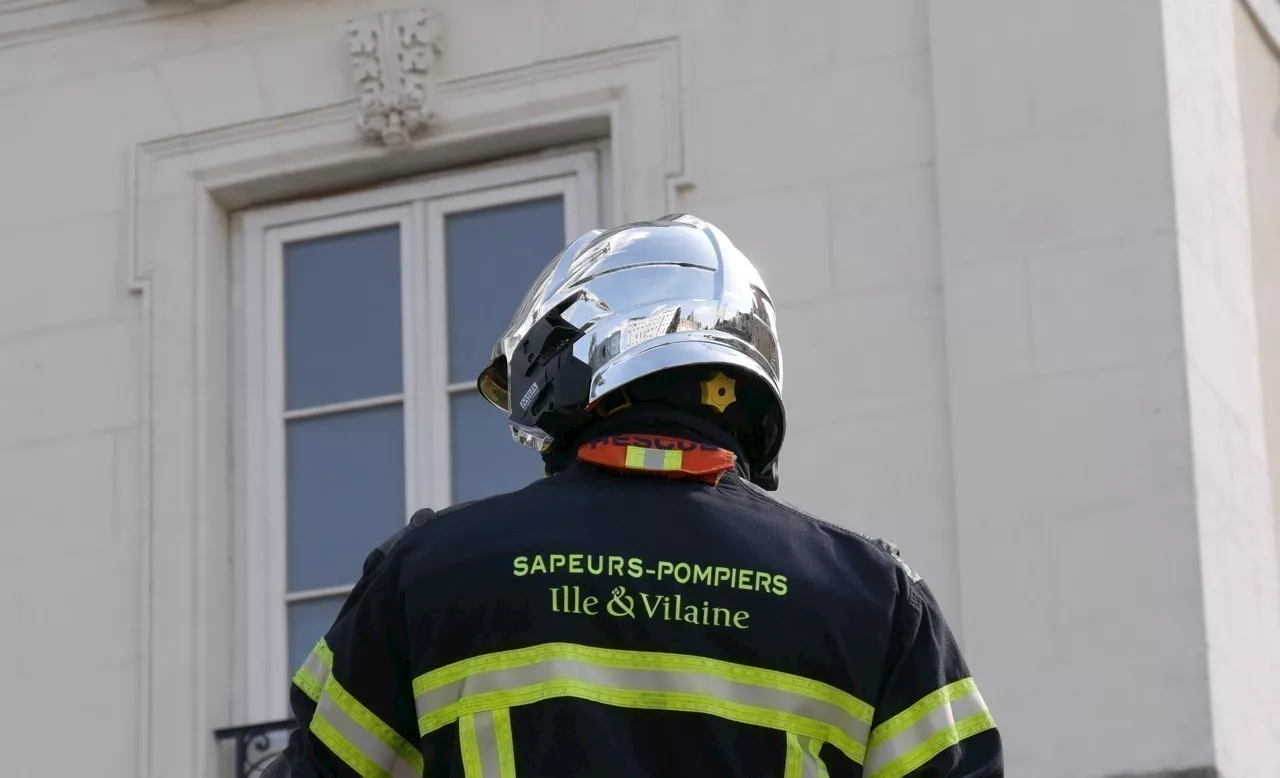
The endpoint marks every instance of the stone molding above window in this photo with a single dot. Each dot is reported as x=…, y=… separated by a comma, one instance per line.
x=393, y=56
x=25, y=21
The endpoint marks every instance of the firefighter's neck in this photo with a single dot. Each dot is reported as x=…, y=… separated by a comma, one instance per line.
x=647, y=419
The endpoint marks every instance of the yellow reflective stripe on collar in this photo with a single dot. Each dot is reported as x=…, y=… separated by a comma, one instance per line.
x=647, y=680
x=635, y=457
x=639, y=458
x=935, y=723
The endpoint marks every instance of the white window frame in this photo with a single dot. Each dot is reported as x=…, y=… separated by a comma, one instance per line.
x=419, y=207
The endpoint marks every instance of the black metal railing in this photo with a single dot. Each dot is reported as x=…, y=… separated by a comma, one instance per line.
x=255, y=745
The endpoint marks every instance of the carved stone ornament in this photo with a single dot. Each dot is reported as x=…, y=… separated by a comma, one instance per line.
x=393, y=55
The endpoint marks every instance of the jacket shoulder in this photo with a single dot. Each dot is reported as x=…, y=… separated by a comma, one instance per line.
x=427, y=524
x=883, y=551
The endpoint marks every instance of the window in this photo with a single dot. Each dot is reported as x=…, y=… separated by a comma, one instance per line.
x=366, y=320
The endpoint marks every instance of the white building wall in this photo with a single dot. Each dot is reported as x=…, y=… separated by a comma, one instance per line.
x=1076, y=513
x=978, y=221
x=1233, y=490
x=1259, y=69
x=1257, y=49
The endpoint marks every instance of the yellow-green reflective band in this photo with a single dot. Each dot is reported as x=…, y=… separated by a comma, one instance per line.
x=343, y=749
x=506, y=746
x=814, y=748
x=643, y=660
x=361, y=739
x=923, y=707
x=654, y=458
x=794, y=756
x=803, y=760
x=356, y=746
x=308, y=683
x=638, y=679
x=939, y=721
x=470, y=747
x=322, y=650
x=485, y=738
x=314, y=671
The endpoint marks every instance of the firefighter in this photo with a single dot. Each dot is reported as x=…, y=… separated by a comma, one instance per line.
x=647, y=609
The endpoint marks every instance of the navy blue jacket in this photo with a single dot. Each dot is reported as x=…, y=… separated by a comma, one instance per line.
x=598, y=623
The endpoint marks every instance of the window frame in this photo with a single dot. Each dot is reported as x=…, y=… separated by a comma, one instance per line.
x=419, y=207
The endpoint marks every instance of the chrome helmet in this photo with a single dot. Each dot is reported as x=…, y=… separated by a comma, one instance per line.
x=623, y=304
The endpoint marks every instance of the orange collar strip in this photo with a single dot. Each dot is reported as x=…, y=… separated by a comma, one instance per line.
x=674, y=458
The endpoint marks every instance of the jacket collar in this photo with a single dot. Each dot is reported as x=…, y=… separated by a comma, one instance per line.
x=648, y=420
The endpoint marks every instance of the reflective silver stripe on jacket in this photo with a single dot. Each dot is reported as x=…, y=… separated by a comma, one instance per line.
x=366, y=744
x=803, y=760
x=350, y=730
x=315, y=670
x=811, y=765
x=486, y=744
x=938, y=726
x=644, y=688
x=316, y=667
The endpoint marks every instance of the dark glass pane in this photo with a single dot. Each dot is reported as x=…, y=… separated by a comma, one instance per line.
x=308, y=621
x=485, y=459
x=345, y=492
x=493, y=255
x=342, y=317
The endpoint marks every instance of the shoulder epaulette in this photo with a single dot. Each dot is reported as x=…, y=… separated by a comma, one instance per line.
x=891, y=549
x=375, y=558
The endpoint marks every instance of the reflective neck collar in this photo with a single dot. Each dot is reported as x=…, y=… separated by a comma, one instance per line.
x=647, y=420
x=660, y=455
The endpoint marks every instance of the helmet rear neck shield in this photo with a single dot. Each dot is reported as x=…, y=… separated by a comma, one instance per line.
x=619, y=306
